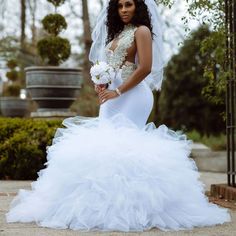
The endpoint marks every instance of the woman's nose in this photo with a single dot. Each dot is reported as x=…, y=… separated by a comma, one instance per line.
x=123, y=9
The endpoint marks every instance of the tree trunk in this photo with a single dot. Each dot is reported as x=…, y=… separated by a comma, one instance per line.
x=33, y=7
x=87, y=42
x=23, y=21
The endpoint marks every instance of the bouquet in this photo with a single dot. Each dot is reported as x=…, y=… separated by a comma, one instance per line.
x=102, y=74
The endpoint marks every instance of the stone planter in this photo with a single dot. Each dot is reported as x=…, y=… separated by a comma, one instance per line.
x=53, y=88
x=14, y=107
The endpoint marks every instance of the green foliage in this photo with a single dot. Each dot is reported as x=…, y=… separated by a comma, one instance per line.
x=211, y=12
x=11, y=64
x=12, y=90
x=213, y=8
x=12, y=75
x=167, y=3
x=54, y=49
x=54, y=23
x=216, y=143
x=23, y=145
x=214, y=47
x=56, y=3
x=9, y=47
x=182, y=104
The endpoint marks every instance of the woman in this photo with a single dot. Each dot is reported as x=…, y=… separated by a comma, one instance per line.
x=114, y=172
x=133, y=30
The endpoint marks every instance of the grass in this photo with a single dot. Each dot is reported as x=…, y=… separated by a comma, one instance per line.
x=216, y=143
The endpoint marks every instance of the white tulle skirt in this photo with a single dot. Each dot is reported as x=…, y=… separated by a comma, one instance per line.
x=113, y=173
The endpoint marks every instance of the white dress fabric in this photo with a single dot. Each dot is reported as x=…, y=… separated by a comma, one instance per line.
x=115, y=173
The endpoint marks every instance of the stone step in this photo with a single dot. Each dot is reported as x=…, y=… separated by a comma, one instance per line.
x=208, y=160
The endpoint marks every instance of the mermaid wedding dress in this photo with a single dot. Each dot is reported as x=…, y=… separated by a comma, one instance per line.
x=114, y=172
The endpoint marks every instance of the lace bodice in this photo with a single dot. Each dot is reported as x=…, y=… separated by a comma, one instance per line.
x=117, y=57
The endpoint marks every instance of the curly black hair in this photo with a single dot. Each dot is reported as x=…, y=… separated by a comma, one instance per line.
x=115, y=25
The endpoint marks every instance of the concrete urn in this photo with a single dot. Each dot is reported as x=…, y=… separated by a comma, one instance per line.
x=53, y=88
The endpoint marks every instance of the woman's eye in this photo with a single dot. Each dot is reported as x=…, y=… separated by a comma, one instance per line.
x=128, y=4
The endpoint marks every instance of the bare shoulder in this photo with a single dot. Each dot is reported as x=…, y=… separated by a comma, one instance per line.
x=143, y=30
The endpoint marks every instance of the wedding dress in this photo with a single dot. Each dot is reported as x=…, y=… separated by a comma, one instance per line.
x=114, y=172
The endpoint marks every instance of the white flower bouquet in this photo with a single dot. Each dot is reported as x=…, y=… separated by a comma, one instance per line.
x=102, y=74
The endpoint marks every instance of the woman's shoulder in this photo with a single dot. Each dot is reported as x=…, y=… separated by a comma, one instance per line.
x=142, y=30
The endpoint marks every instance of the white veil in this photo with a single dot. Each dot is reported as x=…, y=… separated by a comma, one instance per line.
x=99, y=36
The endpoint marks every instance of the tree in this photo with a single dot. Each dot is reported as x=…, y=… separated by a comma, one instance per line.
x=9, y=47
x=87, y=104
x=182, y=104
x=87, y=41
x=32, y=8
x=211, y=12
x=23, y=21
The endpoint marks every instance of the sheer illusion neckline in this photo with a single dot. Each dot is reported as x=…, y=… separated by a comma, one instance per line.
x=116, y=50
x=116, y=46
x=119, y=37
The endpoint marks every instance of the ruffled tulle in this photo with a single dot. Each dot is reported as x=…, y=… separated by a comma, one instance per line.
x=111, y=175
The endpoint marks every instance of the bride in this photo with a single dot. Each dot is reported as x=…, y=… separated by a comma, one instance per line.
x=114, y=172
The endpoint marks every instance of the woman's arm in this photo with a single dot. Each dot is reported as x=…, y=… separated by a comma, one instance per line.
x=144, y=50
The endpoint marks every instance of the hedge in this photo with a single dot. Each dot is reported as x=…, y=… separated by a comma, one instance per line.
x=23, y=145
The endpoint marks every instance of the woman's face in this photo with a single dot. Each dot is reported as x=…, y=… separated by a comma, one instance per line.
x=126, y=10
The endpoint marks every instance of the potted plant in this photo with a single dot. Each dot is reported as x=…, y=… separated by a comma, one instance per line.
x=52, y=87
x=12, y=105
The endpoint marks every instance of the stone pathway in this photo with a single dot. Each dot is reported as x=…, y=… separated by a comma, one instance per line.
x=9, y=188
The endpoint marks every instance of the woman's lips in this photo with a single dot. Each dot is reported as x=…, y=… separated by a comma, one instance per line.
x=126, y=16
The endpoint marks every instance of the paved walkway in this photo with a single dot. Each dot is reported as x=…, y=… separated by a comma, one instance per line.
x=9, y=188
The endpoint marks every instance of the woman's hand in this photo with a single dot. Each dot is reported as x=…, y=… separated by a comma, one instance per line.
x=107, y=94
x=99, y=88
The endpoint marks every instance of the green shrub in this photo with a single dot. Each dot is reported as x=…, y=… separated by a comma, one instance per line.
x=215, y=142
x=12, y=75
x=12, y=90
x=54, y=23
x=23, y=145
x=53, y=49
x=12, y=64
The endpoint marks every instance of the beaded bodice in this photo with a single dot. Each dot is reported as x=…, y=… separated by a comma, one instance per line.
x=117, y=57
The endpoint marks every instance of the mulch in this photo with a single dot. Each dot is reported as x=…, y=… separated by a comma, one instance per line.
x=221, y=201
